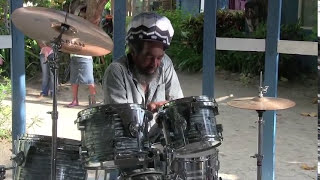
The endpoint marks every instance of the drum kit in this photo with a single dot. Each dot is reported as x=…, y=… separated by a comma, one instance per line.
x=178, y=143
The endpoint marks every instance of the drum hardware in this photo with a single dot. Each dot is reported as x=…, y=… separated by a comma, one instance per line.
x=19, y=158
x=3, y=170
x=160, y=119
x=91, y=100
x=97, y=171
x=56, y=45
x=63, y=32
x=220, y=130
x=261, y=104
x=63, y=28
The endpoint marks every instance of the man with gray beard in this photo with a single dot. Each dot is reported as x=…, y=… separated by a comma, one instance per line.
x=146, y=74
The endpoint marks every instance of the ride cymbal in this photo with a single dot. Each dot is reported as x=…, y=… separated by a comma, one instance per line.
x=261, y=103
x=81, y=36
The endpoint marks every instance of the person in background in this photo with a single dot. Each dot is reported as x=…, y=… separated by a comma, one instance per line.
x=81, y=71
x=1, y=60
x=47, y=75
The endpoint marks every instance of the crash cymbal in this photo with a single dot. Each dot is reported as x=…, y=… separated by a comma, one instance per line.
x=261, y=103
x=43, y=24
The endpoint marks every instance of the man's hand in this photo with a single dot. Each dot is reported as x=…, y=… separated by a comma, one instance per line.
x=154, y=106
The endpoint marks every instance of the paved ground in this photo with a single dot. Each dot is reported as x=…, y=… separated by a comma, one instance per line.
x=296, y=140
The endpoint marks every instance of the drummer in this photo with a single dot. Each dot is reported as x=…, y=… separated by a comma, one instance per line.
x=146, y=74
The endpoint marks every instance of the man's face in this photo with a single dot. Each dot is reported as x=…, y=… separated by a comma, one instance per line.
x=148, y=61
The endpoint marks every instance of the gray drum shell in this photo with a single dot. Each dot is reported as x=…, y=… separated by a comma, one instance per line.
x=190, y=124
x=106, y=135
x=201, y=168
x=37, y=164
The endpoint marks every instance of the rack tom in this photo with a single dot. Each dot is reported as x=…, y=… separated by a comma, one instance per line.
x=189, y=125
x=114, y=135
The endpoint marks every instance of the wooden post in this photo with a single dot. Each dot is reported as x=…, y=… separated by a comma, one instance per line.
x=148, y=5
x=143, y=5
x=209, y=47
x=133, y=7
x=18, y=78
x=271, y=80
x=119, y=24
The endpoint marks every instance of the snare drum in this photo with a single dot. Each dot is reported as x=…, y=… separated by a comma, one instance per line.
x=189, y=125
x=36, y=158
x=113, y=136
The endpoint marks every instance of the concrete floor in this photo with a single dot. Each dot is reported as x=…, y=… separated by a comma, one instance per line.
x=296, y=134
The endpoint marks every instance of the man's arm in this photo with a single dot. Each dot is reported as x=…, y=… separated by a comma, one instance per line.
x=113, y=85
x=173, y=88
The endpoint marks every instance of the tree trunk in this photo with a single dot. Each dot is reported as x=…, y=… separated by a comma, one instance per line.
x=133, y=7
x=94, y=10
x=148, y=6
x=6, y=20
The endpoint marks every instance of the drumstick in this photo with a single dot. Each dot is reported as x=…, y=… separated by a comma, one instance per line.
x=223, y=98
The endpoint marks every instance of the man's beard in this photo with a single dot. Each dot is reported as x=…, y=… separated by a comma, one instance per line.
x=143, y=77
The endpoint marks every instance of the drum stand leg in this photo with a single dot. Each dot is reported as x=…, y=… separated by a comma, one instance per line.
x=259, y=155
x=96, y=177
x=105, y=174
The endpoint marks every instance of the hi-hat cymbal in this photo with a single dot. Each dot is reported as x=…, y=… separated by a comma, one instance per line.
x=43, y=24
x=261, y=103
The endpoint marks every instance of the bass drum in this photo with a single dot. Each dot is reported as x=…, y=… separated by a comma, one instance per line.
x=35, y=154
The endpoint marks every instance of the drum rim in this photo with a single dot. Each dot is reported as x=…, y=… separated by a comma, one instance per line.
x=109, y=107
x=197, y=100
x=48, y=139
x=182, y=152
x=147, y=171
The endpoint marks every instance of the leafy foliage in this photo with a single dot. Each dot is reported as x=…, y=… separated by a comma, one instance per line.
x=32, y=59
x=100, y=66
x=5, y=110
x=187, y=44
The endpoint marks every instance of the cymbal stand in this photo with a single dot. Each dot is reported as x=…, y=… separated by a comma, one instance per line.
x=259, y=155
x=56, y=45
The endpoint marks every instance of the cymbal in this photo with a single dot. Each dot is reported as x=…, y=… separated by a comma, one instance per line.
x=261, y=103
x=43, y=24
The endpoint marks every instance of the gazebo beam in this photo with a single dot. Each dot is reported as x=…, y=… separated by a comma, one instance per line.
x=119, y=24
x=271, y=80
x=209, y=47
x=18, y=75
